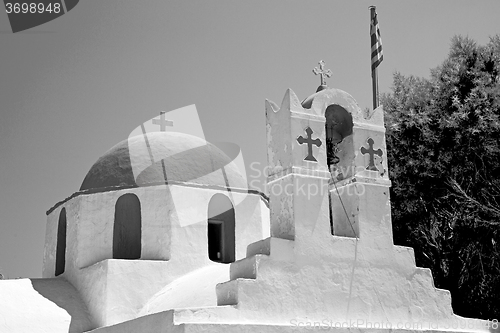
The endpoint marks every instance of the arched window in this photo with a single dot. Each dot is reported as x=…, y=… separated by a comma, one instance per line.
x=127, y=228
x=221, y=240
x=338, y=125
x=61, y=243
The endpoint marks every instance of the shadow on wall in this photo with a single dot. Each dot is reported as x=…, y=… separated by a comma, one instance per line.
x=64, y=295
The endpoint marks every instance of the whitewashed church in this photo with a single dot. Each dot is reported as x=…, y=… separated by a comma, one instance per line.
x=185, y=247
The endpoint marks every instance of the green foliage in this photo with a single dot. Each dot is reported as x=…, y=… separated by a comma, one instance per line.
x=443, y=137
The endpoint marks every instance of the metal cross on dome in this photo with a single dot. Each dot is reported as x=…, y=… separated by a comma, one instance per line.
x=310, y=142
x=371, y=164
x=322, y=72
x=163, y=122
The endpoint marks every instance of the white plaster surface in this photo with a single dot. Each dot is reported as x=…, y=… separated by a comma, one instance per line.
x=195, y=289
x=90, y=223
x=41, y=305
x=174, y=243
x=177, y=321
x=284, y=126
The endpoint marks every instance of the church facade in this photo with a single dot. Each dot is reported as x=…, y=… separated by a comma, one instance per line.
x=186, y=247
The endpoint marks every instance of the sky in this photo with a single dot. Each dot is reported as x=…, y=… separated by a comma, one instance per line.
x=73, y=87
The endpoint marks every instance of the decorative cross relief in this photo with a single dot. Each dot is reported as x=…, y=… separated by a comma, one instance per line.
x=163, y=122
x=372, y=152
x=317, y=142
x=322, y=72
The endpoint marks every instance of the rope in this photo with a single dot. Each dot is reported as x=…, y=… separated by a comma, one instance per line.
x=345, y=211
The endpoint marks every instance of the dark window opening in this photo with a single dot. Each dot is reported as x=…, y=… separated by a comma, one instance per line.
x=61, y=243
x=215, y=239
x=127, y=228
x=221, y=229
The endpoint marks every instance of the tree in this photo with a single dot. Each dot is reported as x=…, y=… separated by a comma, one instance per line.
x=443, y=139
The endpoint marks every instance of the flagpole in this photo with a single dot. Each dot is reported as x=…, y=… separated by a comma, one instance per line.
x=375, y=88
x=374, y=70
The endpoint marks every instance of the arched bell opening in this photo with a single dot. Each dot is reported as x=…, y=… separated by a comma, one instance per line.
x=338, y=125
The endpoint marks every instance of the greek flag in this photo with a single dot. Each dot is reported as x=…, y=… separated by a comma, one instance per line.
x=377, y=54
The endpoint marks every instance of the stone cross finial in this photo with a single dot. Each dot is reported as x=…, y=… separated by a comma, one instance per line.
x=324, y=73
x=310, y=142
x=371, y=164
x=163, y=122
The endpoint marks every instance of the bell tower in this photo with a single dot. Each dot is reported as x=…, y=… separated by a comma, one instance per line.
x=326, y=149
